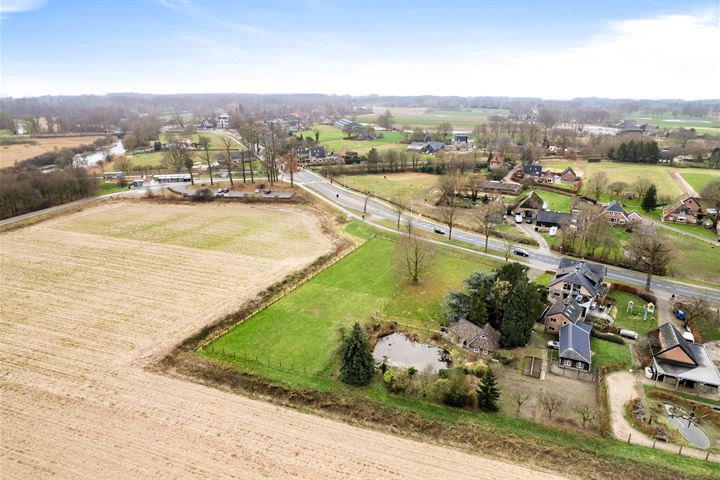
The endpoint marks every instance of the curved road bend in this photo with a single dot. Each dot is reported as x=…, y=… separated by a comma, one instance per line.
x=350, y=201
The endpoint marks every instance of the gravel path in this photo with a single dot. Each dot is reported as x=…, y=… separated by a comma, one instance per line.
x=622, y=387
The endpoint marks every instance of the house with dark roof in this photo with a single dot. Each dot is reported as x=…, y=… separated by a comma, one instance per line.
x=574, y=349
x=549, y=219
x=681, y=362
x=561, y=313
x=580, y=280
x=433, y=147
x=503, y=188
x=476, y=339
x=316, y=153
x=532, y=170
x=569, y=175
x=615, y=214
x=686, y=209
x=529, y=206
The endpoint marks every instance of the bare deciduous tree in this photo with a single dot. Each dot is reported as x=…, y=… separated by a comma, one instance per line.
x=488, y=218
x=652, y=253
x=290, y=164
x=596, y=184
x=228, y=143
x=413, y=254
x=122, y=163
x=550, y=404
x=587, y=415
x=175, y=157
x=519, y=400
x=204, y=143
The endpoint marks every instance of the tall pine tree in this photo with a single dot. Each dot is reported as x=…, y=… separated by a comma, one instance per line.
x=356, y=360
x=649, y=201
x=488, y=393
x=517, y=321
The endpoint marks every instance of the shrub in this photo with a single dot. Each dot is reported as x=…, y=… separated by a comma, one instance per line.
x=593, y=160
x=203, y=195
x=478, y=368
x=610, y=337
x=444, y=373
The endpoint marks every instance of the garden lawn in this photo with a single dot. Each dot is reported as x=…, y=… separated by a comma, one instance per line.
x=607, y=353
x=627, y=320
x=698, y=181
x=556, y=202
x=333, y=139
x=302, y=330
x=105, y=188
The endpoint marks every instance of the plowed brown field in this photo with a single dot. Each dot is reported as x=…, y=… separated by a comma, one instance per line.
x=90, y=299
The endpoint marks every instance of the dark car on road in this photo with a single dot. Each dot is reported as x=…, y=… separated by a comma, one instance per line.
x=439, y=231
x=520, y=252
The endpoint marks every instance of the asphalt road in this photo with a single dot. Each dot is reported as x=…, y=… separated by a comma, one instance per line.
x=353, y=202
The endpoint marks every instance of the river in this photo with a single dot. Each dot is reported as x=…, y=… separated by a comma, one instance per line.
x=94, y=157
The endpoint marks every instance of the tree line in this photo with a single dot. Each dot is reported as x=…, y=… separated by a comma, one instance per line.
x=23, y=192
x=635, y=152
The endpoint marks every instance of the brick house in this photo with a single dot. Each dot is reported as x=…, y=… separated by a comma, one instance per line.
x=579, y=280
x=615, y=214
x=495, y=162
x=686, y=209
x=529, y=206
x=561, y=313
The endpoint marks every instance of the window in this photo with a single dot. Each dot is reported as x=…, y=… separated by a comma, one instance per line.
x=579, y=365
x=567, y=363
x=556, y=293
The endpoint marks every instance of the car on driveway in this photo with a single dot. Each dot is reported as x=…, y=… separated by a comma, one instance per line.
x=648, y=372
x=520, y=252
x=439, y=231
x=553, y=344
x=518, y=218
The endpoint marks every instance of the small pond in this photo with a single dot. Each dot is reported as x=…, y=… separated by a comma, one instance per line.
x=397, y=350
x=691, y=432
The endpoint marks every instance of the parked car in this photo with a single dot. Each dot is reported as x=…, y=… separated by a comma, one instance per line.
x=439, y=230
x=518, y=218
x=648, y=372
x=528, y=220
x=520, y=252
x=553, y=344
x=679, y=314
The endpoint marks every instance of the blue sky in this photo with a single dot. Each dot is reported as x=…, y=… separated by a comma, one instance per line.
x=562, y=49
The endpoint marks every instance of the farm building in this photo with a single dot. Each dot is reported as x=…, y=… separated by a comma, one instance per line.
x=679, y=361
x=549, y=219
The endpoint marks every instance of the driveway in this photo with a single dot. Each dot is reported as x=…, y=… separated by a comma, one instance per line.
x=622, y=387
x=530, y=230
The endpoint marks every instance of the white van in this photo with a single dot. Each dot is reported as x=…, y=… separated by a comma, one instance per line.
x=629, y=334
x=518, y=218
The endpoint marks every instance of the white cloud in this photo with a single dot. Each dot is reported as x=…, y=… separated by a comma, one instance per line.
x=15, y=6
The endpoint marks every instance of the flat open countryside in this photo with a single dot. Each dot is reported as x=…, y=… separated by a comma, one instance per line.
x=463, y=119
x=12, y=154
x=333, y=139
x=88, y=304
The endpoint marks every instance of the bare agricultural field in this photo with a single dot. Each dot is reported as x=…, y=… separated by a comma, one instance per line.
x=12, y=154
x=90, y=299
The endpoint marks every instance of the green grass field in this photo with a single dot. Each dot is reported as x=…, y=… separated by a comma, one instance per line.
x=422, y=117
x=607, y=353
x=105, y=188
x=701, y=125
x=302, y=330
x=333, y=139
x=215, y=139
x=698, y=181
x=694, y=259
x=632, y=320
x=397, y=186
x=555, y=201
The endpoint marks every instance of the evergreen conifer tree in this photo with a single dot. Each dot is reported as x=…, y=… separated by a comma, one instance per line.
x=488, y=393
x=356, y=360
x=649, y=201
